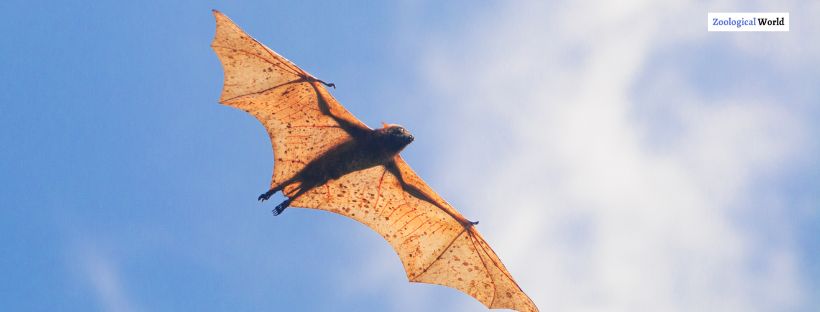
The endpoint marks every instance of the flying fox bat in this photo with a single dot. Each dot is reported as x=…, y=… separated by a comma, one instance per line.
x=327, y=159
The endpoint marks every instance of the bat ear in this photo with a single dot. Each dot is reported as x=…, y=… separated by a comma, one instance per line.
x=384, y=125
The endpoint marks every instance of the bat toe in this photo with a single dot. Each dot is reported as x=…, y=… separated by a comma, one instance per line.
x=281, y=207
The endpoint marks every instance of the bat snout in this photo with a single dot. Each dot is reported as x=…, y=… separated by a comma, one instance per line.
x=398, y=134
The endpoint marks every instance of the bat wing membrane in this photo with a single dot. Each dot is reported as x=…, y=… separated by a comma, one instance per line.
x=434, y=246
x=301, y=117
x=303, y=120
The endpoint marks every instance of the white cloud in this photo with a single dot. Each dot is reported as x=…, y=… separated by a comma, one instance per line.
x=104, y=279
x=601, y=189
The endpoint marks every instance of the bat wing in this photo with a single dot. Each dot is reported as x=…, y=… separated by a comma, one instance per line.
x=301, y=117
x=435, y=243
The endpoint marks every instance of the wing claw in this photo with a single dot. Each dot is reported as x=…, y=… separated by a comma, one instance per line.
x=329, y=84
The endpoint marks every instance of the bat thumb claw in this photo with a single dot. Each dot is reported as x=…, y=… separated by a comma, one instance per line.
x=329, y=84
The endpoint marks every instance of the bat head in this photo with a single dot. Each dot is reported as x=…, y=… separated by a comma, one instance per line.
x=395, y=136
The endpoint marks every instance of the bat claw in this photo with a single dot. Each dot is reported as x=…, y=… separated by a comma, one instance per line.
x=265, y=196
x=281, y=207
x=472, y=222
x=329, y=84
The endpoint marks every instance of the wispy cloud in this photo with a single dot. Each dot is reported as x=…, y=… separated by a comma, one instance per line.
x=104, y=279
x=609, y=178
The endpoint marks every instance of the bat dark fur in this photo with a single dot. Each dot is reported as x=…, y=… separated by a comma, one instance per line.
x=366, y=150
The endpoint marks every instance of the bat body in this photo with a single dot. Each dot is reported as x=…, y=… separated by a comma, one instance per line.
x=367, y=149
x=326, y=159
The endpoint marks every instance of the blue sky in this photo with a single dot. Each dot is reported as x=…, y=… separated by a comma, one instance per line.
x=629, y=162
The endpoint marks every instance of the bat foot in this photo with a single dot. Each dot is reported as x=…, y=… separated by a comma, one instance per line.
x=265, y=196
x=281, y=207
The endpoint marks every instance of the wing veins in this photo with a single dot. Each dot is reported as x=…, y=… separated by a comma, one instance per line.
x=379, y=190
x=490, y=275
x=503, y=271
x=408, y=223
x=298, y=80
x=286, y=62
x=279, y=65
x=415, y=191
x=442, y=252
x=416, y=229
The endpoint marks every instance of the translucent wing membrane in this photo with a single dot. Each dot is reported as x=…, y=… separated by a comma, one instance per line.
x=429, y=236
x=435, y=243
x=302, y=119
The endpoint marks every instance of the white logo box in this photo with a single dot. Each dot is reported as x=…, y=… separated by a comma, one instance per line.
x=747, y=21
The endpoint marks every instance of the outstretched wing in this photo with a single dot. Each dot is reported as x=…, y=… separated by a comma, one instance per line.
x=301, y=117
x=436, y=244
